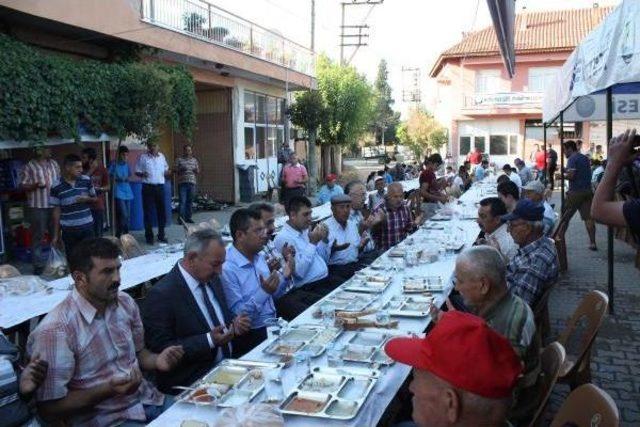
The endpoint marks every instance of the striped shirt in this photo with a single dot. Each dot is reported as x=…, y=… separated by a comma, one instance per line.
x=398, y=224
x=45, y=172
x=73, y=214
x=85, y=349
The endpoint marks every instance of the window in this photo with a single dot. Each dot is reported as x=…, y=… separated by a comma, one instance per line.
x=541, y=78
x=263, y=125
x=488, y=81
x=478, y=143
x=465, y=145
x=513, y=144
x=249, y=144
x=498, y=145
x=249, y=107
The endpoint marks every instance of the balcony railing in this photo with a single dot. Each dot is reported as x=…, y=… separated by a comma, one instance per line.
x=503, y=100
x=208, y=22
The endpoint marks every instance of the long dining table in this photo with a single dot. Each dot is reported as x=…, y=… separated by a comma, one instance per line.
x=392, y=377
x=17, y=309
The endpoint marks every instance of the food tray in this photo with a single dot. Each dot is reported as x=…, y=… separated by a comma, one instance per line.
x=408, y=306
x=440, y=217
x=348, y=301
x=310, y=338
x=422, y=284
x=340, y=397
x=377, y=340
x=231, y=383
x=368, y=283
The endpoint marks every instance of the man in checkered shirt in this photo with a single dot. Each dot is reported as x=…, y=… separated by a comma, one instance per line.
x=534, y=268
x=397, y=220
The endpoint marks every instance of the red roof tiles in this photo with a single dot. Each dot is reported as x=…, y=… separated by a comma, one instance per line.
x=535, y=31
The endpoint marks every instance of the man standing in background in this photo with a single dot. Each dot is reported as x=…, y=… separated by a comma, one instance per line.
x=152, y=167
x=187, y=170
x=38, y=176
x=99, y=176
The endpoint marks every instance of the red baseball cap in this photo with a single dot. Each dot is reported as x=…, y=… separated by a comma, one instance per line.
x=465, y=352
x=332, y=177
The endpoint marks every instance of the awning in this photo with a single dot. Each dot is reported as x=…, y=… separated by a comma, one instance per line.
x=607, y=56
x=503, y=15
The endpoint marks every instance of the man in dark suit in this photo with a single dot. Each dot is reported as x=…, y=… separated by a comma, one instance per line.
x=187, y=307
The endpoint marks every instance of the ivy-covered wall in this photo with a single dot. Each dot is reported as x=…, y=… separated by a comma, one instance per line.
x=46, y=95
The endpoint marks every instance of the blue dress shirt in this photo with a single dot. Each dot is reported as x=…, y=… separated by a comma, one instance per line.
x=325, y=193
x=311, y=264
x=340, y=235
x=242, y=290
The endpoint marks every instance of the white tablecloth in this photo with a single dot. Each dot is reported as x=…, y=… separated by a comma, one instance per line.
x=17, y=309
x=392, y=377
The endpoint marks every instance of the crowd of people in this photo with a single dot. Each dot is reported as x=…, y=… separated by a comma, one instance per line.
x=100, y=358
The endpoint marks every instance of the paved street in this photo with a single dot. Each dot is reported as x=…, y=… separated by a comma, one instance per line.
x=615, y=362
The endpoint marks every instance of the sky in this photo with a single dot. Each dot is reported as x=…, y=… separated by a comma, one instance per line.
x=406, y=33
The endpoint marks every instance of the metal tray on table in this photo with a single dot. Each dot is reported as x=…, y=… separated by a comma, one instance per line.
x=348, y=301
x=310, y=338
x=422, y=284
x=330, y=393
x=369, y=283
x=231, y=383
x=408, y=306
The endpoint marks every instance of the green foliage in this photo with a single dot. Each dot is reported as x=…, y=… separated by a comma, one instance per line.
x=348, y=99
x=421, y=132
x=308, y=111
x=49, y=95
x=383, y=116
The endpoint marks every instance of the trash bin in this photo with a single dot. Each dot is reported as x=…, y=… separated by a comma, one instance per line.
x=247, y=182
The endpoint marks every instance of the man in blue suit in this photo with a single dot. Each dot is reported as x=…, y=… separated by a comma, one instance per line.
x=187, y=307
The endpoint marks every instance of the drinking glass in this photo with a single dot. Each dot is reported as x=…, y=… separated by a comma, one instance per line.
x=273, y=385
x=383, y=317
x=328, y=311
x=302, y=361
x=334, y=355
x=273, y=328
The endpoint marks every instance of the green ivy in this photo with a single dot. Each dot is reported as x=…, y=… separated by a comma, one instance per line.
x=46, y=95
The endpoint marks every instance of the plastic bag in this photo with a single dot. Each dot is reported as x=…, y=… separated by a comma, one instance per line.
x=251, y=415
x=56, y=266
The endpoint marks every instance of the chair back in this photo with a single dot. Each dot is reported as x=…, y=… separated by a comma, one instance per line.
x=589, y=406
x=130, y=247
x=582, y=328
x=551, y=359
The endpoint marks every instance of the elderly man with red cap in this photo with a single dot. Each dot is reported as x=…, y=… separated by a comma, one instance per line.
x=329, y=190
x=464, y=373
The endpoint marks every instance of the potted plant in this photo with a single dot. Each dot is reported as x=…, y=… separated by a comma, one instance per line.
x=192, y=22
x=219, y=33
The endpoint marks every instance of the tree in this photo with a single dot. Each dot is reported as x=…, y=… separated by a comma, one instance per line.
x=308, y=112
x=348, y=98
x=421, y=132
x=383, y=119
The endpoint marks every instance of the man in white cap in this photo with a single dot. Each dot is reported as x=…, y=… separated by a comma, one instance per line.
x=534, y=191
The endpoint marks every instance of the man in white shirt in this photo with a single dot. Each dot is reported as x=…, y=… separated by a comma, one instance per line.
x=493, y=230
x=534, y=191
x=514, y=177
x=152, y=167
x=187, y=307
x=310, y=278
x=345, y=239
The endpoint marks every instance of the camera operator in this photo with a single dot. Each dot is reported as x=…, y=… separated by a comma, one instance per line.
x=605, y=209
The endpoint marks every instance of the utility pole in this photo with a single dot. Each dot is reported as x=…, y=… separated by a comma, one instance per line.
x=350, y=32
x=313, y=25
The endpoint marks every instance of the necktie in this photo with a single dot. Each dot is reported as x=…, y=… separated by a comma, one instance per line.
x=226, y=349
